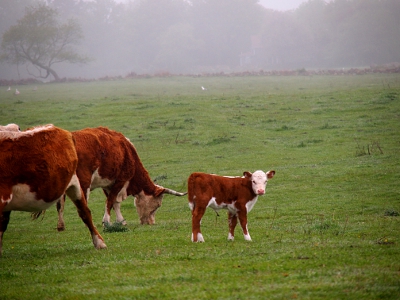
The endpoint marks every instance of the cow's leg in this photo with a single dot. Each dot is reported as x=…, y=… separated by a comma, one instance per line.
x=75, y=193
x=197, y=214
x=107, y=211
x=60, y=210
x=112, y=195
x=118, y=214
x=243, y=222
x=61, y=204
x=111, y=199
x=232, y=219
x=122, y=195
x=4, y=219
x=106, y=217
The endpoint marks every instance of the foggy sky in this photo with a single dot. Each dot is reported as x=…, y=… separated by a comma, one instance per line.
x=281, y=5
x=160, y=37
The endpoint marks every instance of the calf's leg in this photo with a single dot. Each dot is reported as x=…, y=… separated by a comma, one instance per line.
x=243, y=222
x=232, y=219
x=197, y=214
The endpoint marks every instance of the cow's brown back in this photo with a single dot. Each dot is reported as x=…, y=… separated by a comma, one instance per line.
x=29, y=158
x=112, y=154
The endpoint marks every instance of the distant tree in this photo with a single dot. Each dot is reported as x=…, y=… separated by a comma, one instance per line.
x=364, y=32
x=150, y=23
x=11, y=11
x=40, y=40
x=105, y=35
x=177, y=49
x=225, y=28
x=336, y=33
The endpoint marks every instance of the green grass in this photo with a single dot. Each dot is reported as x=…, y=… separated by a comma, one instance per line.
x=327, y=228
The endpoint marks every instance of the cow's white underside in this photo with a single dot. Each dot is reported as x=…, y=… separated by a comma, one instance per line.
x=231, y=206
x=23, y=199
x=98, y=182
x=215, y=206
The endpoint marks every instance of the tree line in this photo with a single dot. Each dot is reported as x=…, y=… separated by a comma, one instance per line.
x=179, y=36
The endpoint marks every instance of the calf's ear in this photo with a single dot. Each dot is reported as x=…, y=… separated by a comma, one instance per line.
x=247, y=174
x=270, y=174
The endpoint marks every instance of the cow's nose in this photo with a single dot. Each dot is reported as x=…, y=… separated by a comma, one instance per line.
x=260, y=192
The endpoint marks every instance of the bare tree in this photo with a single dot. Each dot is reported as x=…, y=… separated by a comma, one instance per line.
x=40, y=40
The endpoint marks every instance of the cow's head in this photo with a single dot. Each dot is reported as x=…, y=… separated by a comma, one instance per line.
x=259, y=180
x=147, y=205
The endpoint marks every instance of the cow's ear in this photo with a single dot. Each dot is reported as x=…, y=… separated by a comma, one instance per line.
x=247, y=174
x=270, y=174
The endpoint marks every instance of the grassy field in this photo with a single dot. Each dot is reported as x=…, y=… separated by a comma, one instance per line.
x=327, y=228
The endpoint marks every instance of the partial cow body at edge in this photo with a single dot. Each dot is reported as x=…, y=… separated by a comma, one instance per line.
x=37, y=168
x=236, y=194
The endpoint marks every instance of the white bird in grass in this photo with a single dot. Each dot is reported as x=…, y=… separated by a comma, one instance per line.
x=203, y=88
x=9, y=88
x=16, y=92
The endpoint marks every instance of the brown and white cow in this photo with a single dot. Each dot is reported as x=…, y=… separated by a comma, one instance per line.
x=236, y=194
x=37, y=168
x=108, y=160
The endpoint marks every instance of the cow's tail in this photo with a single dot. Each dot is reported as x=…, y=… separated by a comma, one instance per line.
x=35, y=215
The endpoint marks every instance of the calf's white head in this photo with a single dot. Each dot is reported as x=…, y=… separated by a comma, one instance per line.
x=259, y=180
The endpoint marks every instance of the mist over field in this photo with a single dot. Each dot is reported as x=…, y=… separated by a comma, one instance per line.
x=198, y=36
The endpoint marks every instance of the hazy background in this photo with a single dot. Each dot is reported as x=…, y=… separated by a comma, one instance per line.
x=191, y=37
x=271, y=4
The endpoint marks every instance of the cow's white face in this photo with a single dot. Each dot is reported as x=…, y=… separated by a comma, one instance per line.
x=259, y=180
x=146, y=206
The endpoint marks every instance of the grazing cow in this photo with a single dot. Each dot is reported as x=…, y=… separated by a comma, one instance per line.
x=236, y=194
x=108, y=160
x=37, y=168
x=10, y=127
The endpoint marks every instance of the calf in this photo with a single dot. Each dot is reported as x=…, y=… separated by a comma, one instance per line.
x=236, y=194
x=37, y=168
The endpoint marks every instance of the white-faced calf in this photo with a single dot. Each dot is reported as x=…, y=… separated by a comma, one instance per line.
x=236, y=194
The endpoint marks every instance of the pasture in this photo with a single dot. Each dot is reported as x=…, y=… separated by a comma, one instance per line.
x=328, y=226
